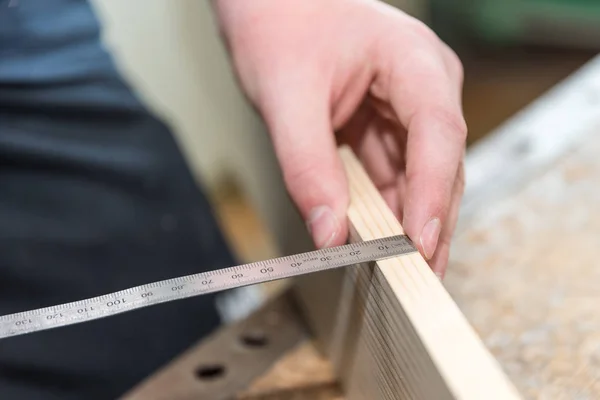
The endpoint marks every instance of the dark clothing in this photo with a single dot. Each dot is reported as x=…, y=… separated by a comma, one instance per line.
x=94, y=197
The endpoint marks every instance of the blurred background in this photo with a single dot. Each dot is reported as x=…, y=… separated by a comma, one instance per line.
x=512, y=50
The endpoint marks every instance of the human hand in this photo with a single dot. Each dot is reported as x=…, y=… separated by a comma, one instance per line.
x=322, y=72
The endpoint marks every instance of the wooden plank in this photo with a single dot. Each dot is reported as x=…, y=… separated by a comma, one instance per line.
x=394, y=332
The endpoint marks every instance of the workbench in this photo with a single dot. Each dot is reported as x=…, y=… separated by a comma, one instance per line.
x=523, y=267
x=522, y=271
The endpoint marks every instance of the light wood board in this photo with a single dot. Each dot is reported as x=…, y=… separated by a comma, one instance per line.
x=301, y=374
x=391, y=329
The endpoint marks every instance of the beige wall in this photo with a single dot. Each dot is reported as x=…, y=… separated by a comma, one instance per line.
x=171, y=54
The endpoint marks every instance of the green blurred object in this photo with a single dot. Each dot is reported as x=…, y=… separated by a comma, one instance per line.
x=572, y=23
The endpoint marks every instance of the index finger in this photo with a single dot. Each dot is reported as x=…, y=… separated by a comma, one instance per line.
x=426, y=96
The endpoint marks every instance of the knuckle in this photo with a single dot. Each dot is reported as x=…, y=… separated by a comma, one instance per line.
x=426, y=62
x=423, y=31
x=311, y=182
x=299, y=172
x=433, y=187
x=308, y=175
x=455, y=65
x=454, y=120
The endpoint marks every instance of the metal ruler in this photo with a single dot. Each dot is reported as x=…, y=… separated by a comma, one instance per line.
x=202, y=283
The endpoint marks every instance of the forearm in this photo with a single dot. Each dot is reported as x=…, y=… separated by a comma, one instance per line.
x=239, y=19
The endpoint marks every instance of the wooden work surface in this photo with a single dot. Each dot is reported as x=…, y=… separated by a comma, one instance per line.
x=527, y=276
x=524, y=267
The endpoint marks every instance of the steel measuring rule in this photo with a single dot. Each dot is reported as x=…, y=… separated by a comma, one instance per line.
x=206, y=282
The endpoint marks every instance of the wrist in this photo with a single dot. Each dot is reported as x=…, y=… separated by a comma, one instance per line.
x=234, y=15
x=239, y=18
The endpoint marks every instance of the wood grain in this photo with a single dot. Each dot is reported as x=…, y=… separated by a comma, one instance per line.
x=525, y=272
x=301, y=374
x=394, y=332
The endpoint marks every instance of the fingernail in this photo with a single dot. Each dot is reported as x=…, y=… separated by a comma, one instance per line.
x=323, y=226
x=439, y=275
x=429, y=236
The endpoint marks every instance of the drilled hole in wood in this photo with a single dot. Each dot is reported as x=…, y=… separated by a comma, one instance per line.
x=255, y=339
x=210, y=372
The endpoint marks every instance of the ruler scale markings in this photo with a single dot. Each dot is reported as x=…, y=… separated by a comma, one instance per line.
x=202, y=283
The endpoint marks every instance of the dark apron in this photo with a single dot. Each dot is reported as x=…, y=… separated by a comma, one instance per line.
x=95, y=197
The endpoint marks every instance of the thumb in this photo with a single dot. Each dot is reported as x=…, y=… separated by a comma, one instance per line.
x=300, y=127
